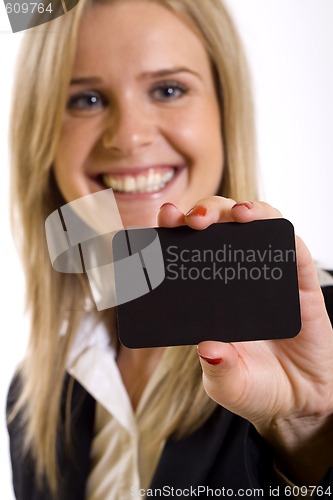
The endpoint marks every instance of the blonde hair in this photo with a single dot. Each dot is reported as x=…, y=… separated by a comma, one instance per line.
x=45, y=66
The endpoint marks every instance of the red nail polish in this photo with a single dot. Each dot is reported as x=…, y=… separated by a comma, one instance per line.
x=245, y=204
x=167, y=203
x=198, y=210
x=211, y=361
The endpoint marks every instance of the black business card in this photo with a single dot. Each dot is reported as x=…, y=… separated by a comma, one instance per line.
x=230, y=282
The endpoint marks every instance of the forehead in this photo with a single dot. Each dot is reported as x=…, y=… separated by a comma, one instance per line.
x=146, y=33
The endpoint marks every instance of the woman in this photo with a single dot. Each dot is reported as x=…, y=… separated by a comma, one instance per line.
x=150, y=98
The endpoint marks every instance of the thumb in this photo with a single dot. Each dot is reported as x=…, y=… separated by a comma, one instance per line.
x=223, y=374
x=170, y=216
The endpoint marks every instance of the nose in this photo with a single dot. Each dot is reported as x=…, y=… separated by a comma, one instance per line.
x=129, y=130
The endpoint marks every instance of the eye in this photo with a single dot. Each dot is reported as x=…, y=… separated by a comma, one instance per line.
x=86, y=102
x=168, y=91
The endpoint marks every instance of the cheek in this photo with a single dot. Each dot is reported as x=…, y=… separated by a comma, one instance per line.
x=199, y=137
x=211, y=132
x=210, y=146
x=74, y=148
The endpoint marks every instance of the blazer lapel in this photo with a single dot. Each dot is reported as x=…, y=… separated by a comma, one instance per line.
x=186, y=463
x=74, y=462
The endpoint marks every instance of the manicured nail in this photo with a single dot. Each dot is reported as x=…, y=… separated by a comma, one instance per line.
x=198, y=210
x=246, y=204
x=166, y=204
x=211, y=361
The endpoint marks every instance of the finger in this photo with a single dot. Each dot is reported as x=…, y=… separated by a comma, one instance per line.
x=311, y=297
x=223, y=373
x=209, y=210
x=214, y=209
x=307, y=273
x=170, y=216
x=247, y=211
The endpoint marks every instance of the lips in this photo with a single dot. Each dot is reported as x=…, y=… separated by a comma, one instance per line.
x=134, y=181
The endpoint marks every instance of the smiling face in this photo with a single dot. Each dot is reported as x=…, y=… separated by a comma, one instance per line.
x=142, y=114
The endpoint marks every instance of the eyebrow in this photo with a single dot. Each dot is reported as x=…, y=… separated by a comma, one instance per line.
x=92, y=80
x=86, y=80
x=168, y=71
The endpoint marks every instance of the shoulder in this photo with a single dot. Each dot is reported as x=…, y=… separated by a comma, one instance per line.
x=73, y=460
x=73, y=393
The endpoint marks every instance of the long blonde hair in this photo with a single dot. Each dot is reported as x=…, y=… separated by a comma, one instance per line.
x=45, y=66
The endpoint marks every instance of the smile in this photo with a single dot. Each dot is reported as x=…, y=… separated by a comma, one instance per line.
x=149, y=180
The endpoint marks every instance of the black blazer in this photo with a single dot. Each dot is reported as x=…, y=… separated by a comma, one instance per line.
x=225, y=453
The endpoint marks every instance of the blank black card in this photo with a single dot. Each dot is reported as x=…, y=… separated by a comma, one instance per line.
x=230, y=282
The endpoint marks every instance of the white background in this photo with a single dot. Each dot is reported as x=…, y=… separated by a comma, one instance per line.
x=290, y=47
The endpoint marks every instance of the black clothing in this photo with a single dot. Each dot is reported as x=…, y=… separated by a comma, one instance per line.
x=226, y=452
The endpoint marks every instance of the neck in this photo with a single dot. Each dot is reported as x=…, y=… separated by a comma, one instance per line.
x=136, y=367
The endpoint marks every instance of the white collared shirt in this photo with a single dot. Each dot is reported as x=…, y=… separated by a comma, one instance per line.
x=123, y=458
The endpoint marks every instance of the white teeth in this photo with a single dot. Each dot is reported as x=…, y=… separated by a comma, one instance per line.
x=129, y=184
x=150, y=179
x=143, y=183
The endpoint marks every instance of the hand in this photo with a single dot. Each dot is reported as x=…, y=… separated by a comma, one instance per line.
x=284, y=387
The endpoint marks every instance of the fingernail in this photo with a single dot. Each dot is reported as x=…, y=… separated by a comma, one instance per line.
x=211, y=361
x=246, y=204
x=167, y=203
x=198, y=210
